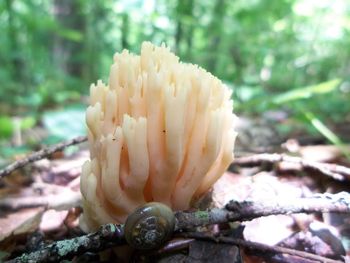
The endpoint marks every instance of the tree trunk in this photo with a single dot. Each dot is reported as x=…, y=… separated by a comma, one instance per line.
x=17, y=64
x=215, y=30
x=67, y=51
x=184, y=31
x=125, y=31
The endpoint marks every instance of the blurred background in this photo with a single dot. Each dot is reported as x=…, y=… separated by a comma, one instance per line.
x=287, y=61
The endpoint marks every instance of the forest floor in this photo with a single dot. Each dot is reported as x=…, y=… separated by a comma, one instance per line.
x=40, y=203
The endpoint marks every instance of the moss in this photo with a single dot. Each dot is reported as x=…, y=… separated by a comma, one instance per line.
x=65, y=247
x=202, y=215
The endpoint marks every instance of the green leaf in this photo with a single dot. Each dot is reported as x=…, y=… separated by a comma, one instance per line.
x=326, y=132
x=71, y=34
x=10, y=151
x=6, y=127
x=28, y=122
x=31, y=100
x=65, y=124
x=306, y=92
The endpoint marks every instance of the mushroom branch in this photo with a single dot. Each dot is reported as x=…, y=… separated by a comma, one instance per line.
x=110, y=235
x=161, y=130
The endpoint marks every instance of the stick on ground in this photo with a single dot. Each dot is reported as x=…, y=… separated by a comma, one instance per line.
x=43, y=153
x=334, y=171
x=248, y=210
x=112, y=235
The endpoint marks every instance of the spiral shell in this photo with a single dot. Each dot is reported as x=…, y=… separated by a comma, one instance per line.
x=149, y=226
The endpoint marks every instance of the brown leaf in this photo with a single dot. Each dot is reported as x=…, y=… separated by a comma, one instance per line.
x=20, y=222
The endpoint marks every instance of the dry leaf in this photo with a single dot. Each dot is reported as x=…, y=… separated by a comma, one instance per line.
x=20, y=222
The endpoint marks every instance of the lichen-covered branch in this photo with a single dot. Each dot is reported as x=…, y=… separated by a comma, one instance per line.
x=107, y=236
x=112, y=235
x=334, y=171
x=248, y=210
x=43, y=153
x=324, y=203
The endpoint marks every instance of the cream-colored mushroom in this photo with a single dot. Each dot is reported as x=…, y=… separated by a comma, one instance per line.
x=161, y=131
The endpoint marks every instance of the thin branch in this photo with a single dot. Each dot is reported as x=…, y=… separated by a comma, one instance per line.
x=258, y=246
x=337, y=172
x=322, y=203
x=43, y=153
x=112, y=235
x=248, y=210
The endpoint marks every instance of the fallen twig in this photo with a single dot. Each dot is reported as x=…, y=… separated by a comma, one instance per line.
x=258, y=246
x=112, y=235
x=335, y=171
x=43, y=153
x=248, y=210
x=324, y=203
x=107, y=236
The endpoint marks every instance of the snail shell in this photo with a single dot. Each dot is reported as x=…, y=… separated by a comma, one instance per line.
x=149, y=226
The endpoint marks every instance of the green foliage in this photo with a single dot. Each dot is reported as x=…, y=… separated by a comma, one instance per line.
x=65, y=124
x=6, y=127
x=326, y=132
x=288, y=54
x=306, y=93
